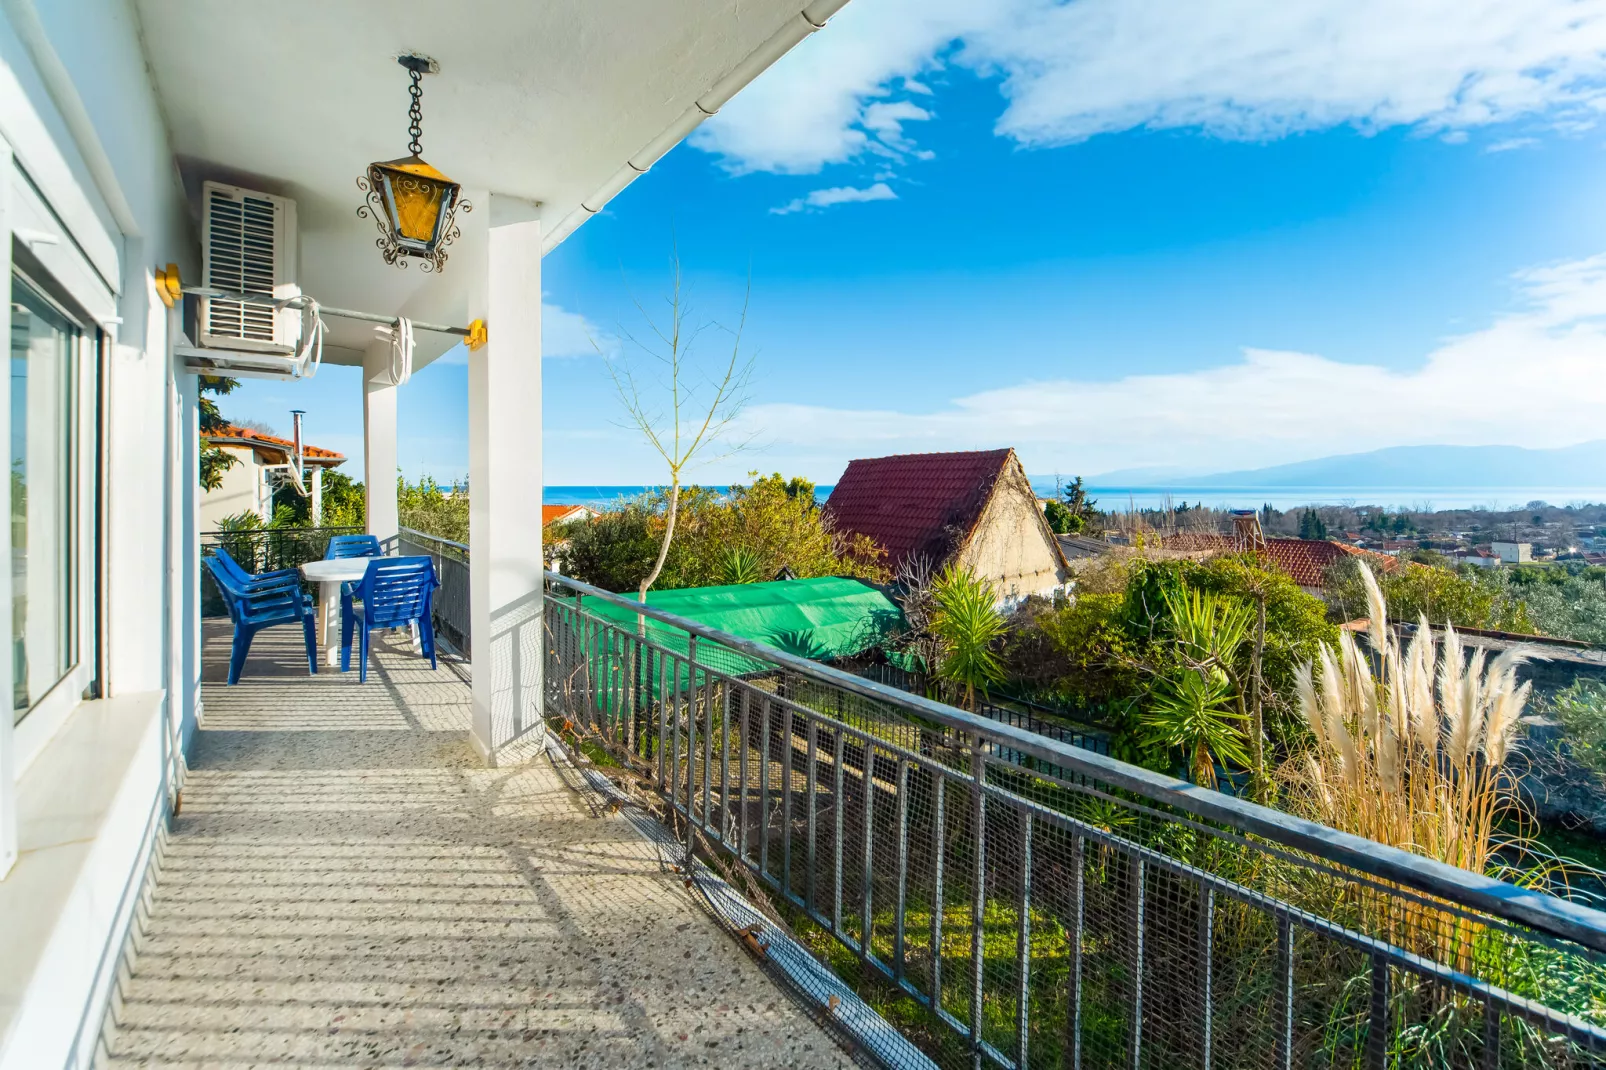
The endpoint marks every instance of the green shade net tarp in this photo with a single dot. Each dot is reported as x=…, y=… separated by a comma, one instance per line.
x=821, y=619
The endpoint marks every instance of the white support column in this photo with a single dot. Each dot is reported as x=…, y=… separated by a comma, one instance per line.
x=317, y=496
x=504, y=463
x=379, y=442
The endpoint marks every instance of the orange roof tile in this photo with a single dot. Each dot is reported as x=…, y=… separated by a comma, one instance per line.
x=233, y=435
x=557, y=514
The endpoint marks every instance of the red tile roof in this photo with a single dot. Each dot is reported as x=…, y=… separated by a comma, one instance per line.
x=557, y=514
x=917, y=503
x=232, y=435
x=1306, y=560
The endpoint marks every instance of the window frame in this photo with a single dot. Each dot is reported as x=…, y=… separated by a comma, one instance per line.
x=45, y=717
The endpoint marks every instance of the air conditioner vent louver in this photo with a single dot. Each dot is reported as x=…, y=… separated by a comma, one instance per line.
x=248, y=245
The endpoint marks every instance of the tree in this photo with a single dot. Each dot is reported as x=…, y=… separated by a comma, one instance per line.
x=1197, y=705
x=1078, y=506
x=966, y=622
x=1311, y=526
x=1060, y=520
x=697, y=415
x=435, y=510
x=344, y=501
x=214, y=459
x=767, y=522
x=614, y=549
x=1464, y=598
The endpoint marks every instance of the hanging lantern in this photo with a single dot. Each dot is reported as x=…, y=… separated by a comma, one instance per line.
x=414, y=205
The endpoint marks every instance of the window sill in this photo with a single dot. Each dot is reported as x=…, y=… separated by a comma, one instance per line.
x=82, y=808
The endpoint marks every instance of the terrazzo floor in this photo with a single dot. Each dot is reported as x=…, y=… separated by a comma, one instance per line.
x=347, y=885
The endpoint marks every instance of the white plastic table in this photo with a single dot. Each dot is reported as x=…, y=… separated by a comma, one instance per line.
x=329, y=575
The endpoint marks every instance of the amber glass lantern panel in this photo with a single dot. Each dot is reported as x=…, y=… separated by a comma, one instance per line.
x=418, y=199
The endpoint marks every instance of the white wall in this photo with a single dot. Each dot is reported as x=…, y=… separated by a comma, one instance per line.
x=78, y=114
x=1012, y=547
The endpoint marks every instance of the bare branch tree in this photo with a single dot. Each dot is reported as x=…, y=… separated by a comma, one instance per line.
x=681, y=417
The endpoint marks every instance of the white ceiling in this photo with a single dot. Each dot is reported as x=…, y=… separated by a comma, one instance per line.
x=539, y=99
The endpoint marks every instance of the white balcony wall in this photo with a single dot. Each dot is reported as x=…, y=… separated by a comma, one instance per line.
x=92, y=202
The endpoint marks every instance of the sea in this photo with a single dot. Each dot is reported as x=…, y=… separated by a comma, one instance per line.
x=1125, y=498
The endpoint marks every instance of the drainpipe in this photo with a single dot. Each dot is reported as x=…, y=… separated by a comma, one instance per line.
x=811, y=18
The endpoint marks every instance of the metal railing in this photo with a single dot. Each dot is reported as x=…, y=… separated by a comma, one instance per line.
x=264, y=550
x=1016, y=713
x=451, y=601
x=1010, y=900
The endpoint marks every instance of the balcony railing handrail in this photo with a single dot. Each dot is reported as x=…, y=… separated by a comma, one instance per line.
x=1538, y=910
x=414, y=533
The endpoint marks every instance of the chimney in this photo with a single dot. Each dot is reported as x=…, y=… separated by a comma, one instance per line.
x=1246, y=533
x=296, y=459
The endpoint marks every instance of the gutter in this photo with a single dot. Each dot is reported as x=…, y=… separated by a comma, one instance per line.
x=805, y=22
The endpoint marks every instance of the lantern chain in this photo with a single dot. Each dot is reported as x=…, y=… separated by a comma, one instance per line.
x=416, y=114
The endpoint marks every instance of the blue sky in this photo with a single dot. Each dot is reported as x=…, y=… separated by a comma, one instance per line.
x=1109, y=233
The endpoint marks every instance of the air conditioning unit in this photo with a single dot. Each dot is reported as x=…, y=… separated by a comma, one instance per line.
x=248, y=245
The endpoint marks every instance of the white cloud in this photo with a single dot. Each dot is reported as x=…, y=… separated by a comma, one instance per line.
x=1533, y=377
x=808, y=109
x=569, y=334
x=563, y=334
x=825, y=198
x=1233, y=68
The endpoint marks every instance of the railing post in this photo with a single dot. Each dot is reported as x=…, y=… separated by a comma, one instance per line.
x=691, y=738
x=938, y=841
x=903, y=867
x=1207, y=919
x=1285, y=993
x=1023, y=945
x=838, y=828
x=1377, y=1039
x=1073, y=1011
x=1135, y=889
x=811, y=782
x=978, y=905
x=867, y=886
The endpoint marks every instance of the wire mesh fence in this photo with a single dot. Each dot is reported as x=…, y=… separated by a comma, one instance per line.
x=1006, y=899
x=450, y=602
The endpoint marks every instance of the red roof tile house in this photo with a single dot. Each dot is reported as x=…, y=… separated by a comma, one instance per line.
x=563, y=514
x=1306, y=560
x=248, y=485
x=975, y=508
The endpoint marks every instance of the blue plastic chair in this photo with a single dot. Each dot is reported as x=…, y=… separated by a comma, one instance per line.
x=241, y=577
x=261, y=601
x=352, y=546
x=395, y=592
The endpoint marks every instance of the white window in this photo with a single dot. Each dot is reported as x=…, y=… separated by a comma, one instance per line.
x=46, y=347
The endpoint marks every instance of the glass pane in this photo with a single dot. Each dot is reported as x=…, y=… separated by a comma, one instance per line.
x=43, y=344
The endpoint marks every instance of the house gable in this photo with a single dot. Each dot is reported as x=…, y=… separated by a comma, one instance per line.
x=1011, y=544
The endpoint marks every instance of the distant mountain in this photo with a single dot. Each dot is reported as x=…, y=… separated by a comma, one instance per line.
x=1149, y=476
x=1406, y=467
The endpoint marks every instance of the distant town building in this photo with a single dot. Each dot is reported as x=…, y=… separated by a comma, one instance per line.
x=975, y=509
x=1478, y=556
x=1513, y=553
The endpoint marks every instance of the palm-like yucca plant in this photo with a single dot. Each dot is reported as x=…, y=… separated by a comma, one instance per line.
x=965, y=622
x=1415, y=756
x=1197, y=708
x=738, y=564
